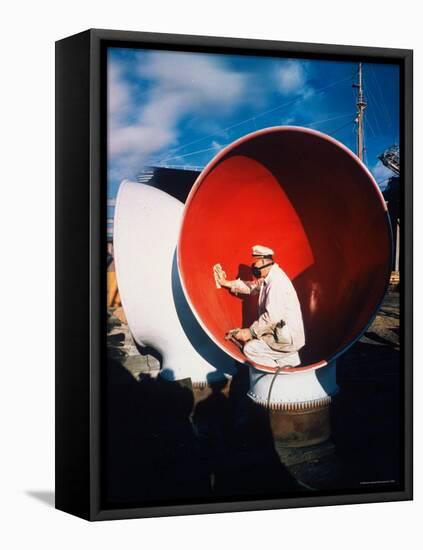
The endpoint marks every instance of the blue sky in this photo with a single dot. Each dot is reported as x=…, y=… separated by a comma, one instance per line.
x=180, y=108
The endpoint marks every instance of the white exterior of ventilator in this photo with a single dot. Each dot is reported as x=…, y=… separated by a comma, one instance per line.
x=294, y=391
x=146, y=229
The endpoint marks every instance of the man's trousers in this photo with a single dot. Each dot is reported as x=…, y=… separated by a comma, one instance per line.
x=258, y=351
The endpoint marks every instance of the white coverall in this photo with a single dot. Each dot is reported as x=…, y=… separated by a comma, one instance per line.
x=278, y=301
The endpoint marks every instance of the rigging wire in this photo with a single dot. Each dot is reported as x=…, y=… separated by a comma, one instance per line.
x=367, y=122
x=250, y=119
x=374, y=103
x=177, y=157
x=193, y=153
x=342, y=127
x=381, y=94
x=327, y=120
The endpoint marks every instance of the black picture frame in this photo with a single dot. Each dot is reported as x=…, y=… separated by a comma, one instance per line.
x=81, y=133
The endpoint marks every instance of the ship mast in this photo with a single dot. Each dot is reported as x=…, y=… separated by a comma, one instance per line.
x=361, y=105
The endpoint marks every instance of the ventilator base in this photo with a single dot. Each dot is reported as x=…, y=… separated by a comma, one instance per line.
x=300, y=429
x=298, y=403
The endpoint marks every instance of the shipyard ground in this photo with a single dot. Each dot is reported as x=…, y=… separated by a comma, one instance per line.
x=161, y=447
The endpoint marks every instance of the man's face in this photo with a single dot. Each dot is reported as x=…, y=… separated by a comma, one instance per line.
x=259, y=263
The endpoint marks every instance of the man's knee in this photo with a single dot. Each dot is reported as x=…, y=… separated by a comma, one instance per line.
x=259, y=352
x=249, y=349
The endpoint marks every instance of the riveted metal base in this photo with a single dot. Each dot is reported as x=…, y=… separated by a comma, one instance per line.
x=303, y=428
x=293, y=456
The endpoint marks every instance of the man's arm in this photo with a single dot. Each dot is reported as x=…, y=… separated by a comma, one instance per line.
x=243, y=287
x=237, y=286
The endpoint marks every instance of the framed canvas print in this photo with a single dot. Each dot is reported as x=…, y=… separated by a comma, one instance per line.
x=234, y=274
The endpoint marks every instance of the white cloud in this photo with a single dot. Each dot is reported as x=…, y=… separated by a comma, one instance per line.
x=287, y=120
x=291, y=78
x=293, y=81
x=119, y=99
x=181, y=85
x=217, y=145
x=202, y=80
x=132, y=138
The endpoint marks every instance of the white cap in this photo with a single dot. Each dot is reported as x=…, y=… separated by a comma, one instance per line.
x=259, y=251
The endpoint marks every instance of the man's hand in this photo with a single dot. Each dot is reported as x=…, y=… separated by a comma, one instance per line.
x=239, y=336
x=220, y=276
x=243, y=335
x=222, y=281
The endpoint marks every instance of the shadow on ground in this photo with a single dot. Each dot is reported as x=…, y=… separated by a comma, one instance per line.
x=46, y=497
x=159, y=445
x=366, y=415
x=163, y=447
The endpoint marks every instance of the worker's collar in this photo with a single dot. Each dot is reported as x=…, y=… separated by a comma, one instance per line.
x=269, y=276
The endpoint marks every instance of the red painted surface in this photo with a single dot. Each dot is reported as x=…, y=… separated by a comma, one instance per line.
x=314, y=203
